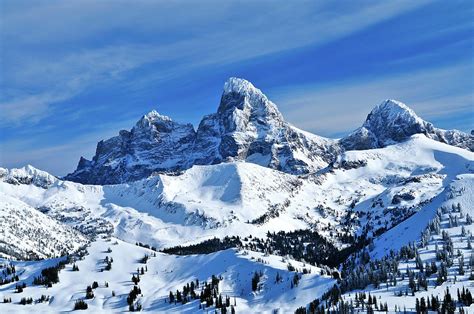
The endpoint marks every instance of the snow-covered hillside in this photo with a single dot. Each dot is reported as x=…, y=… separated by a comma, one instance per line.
x=165, y=273
x=362, y=192
x=400, y=188
x=434, y=257
x=265, y=216
x=25, y=232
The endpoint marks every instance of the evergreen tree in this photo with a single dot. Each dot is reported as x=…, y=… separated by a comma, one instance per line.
x=255, y=281
x=461, y=265
x=80, y=305
x=89, y=293
x=423, y=307
x=448, y=305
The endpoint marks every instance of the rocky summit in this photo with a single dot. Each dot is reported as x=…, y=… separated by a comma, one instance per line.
x=393, y=122
x=248, y=127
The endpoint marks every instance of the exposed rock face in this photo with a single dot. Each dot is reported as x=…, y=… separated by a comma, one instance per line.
x=247, y=126
x=155, y=143
x=392, y=122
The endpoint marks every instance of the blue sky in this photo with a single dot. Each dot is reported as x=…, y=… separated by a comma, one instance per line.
x=75, y=72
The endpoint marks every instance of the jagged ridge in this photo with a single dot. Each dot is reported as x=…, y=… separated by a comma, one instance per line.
x=247, y=126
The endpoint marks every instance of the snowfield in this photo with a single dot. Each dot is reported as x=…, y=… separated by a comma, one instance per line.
x=165, y=273
x=383, y=186
x=415, y=177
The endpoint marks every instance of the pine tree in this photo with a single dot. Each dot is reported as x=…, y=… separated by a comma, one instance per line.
x=89, y=293
x=448, y=305
x=468, y=219
x=255, y=281
x=461, y=265
x=80, y=305
x=423, y=305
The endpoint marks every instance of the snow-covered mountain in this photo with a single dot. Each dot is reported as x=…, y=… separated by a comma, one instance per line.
x=393, y=122
x=247, y=126
x=380, y=187
x=155, y=143
x=389, y=194
x=279, y=216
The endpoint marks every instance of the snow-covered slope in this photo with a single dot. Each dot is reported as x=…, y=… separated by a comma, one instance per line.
x=440, y=236
x=163, y=210
x=26, y=233
x=362, y=192
x=165, y=273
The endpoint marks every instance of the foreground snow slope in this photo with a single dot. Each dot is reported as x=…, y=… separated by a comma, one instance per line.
x=165, y=273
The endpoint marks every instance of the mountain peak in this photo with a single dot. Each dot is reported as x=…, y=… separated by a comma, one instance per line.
x=27, y=175
x=242, y=95
x=391, y=111
x=154, y=116
x=239, y=86
x=393, y=104
x=392, y=122
x=389, y=122
x=395, y=114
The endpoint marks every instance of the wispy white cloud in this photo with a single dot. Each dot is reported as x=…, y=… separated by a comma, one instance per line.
x=344, y=106
x=81, y=46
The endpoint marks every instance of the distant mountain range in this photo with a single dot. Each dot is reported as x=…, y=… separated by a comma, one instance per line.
x=247, y=126
x=251, y=212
